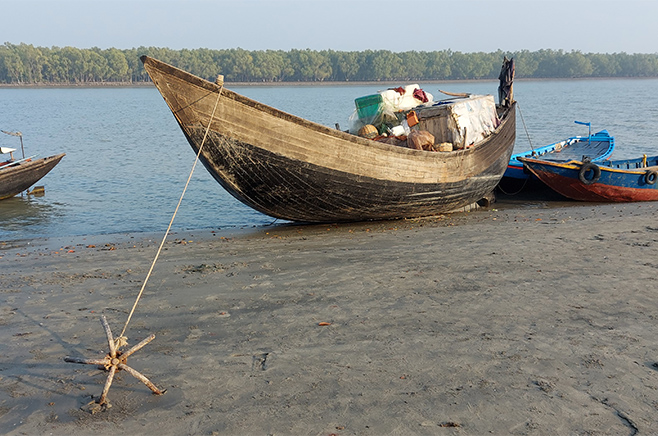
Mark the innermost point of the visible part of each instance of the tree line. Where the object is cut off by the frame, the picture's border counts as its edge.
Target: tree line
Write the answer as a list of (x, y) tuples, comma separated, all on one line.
[(25, 64)]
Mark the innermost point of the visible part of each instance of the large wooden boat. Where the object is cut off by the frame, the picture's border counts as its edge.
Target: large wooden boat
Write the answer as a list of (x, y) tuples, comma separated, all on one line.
[(17, 176), (608, 181), (294, 169)]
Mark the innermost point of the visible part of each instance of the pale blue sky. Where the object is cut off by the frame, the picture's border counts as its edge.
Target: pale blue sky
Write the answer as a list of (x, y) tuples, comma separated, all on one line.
[(598, 26)]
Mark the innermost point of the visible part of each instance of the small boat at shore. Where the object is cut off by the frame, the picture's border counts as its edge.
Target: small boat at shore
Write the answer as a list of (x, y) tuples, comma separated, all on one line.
[(290, 168), (608, 181), (18, 175), (597, 147)]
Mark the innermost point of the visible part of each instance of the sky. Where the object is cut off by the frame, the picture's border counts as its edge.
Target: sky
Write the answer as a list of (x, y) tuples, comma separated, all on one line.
[(589, 26)]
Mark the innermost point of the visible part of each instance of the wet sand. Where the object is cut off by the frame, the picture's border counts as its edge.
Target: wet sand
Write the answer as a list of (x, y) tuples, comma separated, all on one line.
[(518, 319)]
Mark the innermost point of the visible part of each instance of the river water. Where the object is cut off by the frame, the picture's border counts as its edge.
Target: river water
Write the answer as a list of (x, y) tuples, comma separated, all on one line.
[(127, 160)]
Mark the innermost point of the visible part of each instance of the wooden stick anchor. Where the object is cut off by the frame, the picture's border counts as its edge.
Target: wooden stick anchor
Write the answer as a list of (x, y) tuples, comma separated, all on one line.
[(114, 361)]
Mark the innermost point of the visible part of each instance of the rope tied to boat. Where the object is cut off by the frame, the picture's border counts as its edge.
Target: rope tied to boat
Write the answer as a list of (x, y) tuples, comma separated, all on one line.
[(123, 340), (524, 126), (533, 152), (116, 360)]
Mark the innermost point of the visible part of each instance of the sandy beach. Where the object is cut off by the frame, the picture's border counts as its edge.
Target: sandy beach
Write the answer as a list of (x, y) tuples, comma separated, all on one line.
[(521, 319)]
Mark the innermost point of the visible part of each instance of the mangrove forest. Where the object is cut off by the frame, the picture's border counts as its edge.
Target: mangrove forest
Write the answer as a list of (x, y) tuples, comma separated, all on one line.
[(25, 64)]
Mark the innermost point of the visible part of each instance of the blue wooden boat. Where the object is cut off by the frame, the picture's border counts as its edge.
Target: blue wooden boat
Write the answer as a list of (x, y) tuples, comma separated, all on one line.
[(607, 181), (597, 147)]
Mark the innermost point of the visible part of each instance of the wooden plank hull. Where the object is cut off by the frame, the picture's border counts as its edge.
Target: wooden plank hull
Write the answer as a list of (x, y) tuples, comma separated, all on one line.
[(617, 183), (290, 168), (18, 178)]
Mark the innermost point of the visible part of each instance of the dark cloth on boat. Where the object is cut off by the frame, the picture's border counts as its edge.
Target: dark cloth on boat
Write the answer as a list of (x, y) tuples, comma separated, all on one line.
[(419, 94), (506, 77)]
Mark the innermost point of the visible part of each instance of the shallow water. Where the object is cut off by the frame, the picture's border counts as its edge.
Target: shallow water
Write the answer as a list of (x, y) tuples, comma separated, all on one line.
[(127, 160)]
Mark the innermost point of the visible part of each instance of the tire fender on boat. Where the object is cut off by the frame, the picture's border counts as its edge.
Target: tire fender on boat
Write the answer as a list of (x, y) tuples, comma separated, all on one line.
[(587, 166), (650, 177)]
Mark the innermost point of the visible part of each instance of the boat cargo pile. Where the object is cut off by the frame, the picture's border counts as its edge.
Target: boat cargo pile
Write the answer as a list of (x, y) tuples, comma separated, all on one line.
[(409, 117)]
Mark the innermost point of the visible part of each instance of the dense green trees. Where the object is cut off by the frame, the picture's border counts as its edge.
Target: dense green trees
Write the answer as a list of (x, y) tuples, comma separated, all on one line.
[(24, 64)]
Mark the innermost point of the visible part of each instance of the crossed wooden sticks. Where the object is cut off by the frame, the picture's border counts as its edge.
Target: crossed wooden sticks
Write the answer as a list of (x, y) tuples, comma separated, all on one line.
[(115, 361)]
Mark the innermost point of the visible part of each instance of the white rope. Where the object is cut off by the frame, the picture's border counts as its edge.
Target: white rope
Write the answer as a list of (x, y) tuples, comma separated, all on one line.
[(524, 127), (122, 340)]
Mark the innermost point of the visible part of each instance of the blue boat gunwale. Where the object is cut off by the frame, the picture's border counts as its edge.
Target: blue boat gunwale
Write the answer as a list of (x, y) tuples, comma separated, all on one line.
[(602, 136), (554, 153), (634, 166)]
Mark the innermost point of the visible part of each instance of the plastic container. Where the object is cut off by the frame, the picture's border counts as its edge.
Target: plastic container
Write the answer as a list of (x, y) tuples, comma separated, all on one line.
[(369, 106), (398, 131), (412, 119)]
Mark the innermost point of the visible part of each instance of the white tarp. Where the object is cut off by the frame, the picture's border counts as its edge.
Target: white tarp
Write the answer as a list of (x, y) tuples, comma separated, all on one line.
[(462, 121)]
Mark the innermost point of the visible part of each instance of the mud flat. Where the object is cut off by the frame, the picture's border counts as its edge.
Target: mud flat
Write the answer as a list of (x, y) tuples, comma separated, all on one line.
[(511, 320)]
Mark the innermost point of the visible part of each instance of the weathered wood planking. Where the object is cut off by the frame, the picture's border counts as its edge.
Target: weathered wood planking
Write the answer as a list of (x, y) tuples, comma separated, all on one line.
[(18, 178), (291, 168)]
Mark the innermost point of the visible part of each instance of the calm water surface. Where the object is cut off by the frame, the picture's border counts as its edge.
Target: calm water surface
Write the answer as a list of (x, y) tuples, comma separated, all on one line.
[(127, 160)]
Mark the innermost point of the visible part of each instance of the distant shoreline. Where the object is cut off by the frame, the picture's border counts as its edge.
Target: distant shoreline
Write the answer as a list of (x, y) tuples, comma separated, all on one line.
[(245, 84), (233, 84)]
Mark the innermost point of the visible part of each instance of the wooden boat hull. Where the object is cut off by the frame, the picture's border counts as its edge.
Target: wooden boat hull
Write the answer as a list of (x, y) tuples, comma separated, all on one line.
[(291, 168), (598, 147), (619, 181), (18, 178)]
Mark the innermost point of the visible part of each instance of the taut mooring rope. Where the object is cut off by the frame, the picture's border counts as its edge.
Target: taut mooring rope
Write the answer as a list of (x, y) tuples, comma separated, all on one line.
[(531, 147), (122, 340), (524, 127)]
